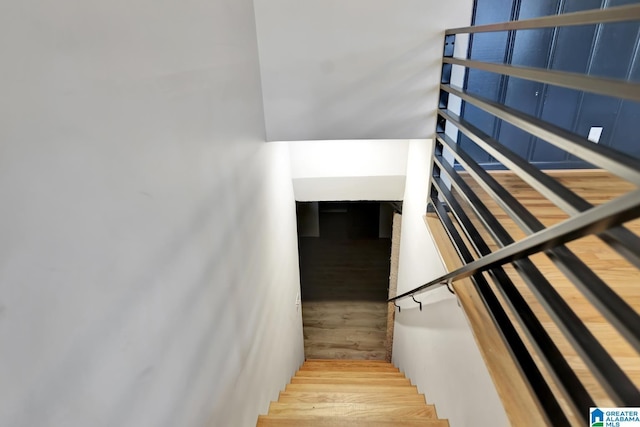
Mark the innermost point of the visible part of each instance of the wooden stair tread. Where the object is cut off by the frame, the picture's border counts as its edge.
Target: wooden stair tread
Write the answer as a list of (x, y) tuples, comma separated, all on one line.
[(359, 363), (348, 374), (352, 388), (327, 393), (355, 380), (299, 421), (353, 410), (314, 396), (335, 361), (352, 368)]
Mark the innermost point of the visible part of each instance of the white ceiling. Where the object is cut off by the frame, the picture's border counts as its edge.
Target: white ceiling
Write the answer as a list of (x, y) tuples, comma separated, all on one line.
[(352, 69)]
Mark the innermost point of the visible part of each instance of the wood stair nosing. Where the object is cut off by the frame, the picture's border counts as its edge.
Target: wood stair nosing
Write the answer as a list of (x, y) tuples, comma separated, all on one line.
[(349, 369), (352, 388), (395, 382), (370, 364), (347, 374), (353, 410), (286, 421), (373, 397), (347, 362), (355, 361)]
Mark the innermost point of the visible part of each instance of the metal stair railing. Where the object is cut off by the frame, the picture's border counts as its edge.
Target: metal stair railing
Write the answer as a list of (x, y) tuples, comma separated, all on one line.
[(605, 221)]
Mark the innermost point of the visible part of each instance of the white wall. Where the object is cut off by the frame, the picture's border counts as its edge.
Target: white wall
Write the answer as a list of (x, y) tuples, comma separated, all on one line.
[(357, 69), (348, 170), (148, 256), (435, 347)]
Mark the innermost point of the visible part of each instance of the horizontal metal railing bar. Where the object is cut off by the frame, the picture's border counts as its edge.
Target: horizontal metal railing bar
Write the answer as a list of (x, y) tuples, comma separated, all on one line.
[(604, 220), (547, 402), (516, 211), (620, 239), (597, 219), (587, 346), (608, 302), (614, 308), (595, 16), (556, 364), (469, 230), (602, 86), (623, 241), (499, 234), (617, 163), (548, 187), (456, 239)]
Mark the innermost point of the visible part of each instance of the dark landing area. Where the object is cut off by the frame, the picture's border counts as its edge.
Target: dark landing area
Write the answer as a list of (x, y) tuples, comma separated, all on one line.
[(344, 279), (349, 260), (344, 270)]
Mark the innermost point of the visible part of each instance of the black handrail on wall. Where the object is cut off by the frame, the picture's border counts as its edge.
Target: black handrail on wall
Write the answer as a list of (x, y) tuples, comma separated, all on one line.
[(604, 220)]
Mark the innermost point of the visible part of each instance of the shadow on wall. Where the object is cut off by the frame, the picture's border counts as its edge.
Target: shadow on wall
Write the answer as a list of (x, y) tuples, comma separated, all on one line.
[(434, 315)]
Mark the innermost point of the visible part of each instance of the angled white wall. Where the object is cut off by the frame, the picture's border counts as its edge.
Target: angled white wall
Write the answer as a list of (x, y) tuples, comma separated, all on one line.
[(348, 170), (435, 347), (356, 69), (148, 258)]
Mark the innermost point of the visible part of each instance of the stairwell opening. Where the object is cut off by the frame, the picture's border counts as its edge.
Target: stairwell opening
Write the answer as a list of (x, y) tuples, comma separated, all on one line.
[(345, 253)]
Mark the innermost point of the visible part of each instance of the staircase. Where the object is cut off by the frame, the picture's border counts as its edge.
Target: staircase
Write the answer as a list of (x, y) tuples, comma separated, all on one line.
[(351, 393)]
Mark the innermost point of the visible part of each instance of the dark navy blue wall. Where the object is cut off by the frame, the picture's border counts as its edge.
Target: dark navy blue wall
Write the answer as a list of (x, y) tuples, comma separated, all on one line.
[(608, 50)]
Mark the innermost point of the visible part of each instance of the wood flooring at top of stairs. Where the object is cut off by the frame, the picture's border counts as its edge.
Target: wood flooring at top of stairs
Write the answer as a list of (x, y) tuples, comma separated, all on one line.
[(597, 187), (350, 393)]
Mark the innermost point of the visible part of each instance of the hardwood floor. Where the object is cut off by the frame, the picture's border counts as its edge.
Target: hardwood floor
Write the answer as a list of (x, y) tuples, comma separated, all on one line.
[(596, 187), (344, 290)]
